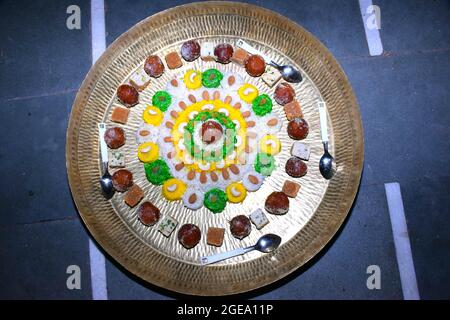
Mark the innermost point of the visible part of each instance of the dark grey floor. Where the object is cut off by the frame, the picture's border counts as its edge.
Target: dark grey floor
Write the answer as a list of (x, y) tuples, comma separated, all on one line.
[(403, 97)]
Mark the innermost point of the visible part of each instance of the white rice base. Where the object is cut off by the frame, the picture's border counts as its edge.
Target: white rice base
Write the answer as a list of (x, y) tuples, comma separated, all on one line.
[(198, 203), (250, 186), (152, 137)]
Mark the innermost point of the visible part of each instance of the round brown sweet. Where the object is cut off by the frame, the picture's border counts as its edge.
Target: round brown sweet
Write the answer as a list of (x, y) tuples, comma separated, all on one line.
[(148, 213), (298, 129), (295, 167), (211, 131), (189, 235), (122, 180), (223, 52), (277, 203), (284, 93), (190, 50), (255, 65), (128, 95), (240, 227), (114, 137), (153, 66)]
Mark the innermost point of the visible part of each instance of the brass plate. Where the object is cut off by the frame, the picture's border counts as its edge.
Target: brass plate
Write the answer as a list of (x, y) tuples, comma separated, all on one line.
[(315, 215)]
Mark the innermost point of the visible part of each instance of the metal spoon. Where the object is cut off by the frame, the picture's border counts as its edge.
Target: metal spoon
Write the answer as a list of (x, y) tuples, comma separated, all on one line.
[(106, 179), (289, 73), (106, 183), (326, 163), (267, 243)]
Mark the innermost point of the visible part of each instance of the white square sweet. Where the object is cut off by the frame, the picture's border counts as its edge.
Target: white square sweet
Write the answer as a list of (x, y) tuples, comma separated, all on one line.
[(259, 219), (167, 225), (116, 159), (301, 150), (207, 51), (140, 79), (271, 76)]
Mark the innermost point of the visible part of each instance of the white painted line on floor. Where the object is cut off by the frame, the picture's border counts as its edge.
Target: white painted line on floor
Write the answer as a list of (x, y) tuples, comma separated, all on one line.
[(372, 32), (96, 258), (98, 35), (401, 241), (98, 272)]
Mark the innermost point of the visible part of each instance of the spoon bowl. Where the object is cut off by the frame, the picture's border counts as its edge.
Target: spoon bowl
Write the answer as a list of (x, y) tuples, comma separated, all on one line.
[(326, 165), (267, 243), (288, 73), (106, 183)]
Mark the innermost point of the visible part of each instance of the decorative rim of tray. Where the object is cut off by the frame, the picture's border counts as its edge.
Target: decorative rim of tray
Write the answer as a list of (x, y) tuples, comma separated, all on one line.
[(289, 40)]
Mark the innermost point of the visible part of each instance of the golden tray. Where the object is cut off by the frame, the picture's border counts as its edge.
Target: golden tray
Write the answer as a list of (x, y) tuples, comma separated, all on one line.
[(316, 213)]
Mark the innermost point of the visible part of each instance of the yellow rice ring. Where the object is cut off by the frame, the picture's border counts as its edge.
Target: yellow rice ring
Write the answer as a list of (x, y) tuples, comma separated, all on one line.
[(270, 144), (236, 192), (193, 79), (173, 189), (152, 115), (148, 152), (248, 93)]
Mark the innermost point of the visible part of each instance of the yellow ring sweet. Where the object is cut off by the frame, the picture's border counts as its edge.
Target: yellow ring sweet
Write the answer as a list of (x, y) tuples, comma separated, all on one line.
[(248, 93), (270, 144), (218, 105), (173, 189), (152, 115), (193, 79), (236, 192), (148, 152)]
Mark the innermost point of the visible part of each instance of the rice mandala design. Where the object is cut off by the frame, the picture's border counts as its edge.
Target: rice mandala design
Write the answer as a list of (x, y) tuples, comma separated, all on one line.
[(208, 139)]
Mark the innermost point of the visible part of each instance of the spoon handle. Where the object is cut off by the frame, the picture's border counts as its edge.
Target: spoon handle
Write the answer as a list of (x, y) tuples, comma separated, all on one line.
[(225, 255), (323, 122), (101, 139), (247, 47)]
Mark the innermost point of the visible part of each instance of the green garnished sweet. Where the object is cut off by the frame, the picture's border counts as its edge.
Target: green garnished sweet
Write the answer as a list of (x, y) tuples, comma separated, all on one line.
[(264, 164), (222, 150), (211, 78), (157, 172), (215, 200), (262, 105), (161, 100)]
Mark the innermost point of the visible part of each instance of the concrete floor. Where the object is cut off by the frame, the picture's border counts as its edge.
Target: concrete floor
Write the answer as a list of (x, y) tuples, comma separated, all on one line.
[(403, 96)]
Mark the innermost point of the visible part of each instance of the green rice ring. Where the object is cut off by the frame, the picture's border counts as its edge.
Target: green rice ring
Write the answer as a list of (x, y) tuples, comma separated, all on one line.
[(215, 200), (262, 105), (211, 78), (264, 164), (161, 100), (157, 172)]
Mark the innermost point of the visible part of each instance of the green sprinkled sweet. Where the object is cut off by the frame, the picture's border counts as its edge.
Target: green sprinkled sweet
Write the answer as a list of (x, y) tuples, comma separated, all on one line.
[(223, 149), (264, 164), (262, 105), (161, 100), (211, 78), (157, 172), (215, 200)]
